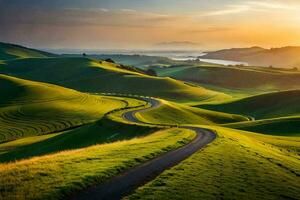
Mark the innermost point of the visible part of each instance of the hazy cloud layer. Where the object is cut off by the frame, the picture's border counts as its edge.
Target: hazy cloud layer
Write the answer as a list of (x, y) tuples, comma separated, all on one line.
[(133, 23)]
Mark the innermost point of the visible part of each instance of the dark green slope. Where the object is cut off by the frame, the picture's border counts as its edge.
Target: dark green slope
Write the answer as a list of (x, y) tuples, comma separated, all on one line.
[(248, 80), (30, 108), (269, 105), (12, 51), (275, 113), (285, 126), (89, 75)]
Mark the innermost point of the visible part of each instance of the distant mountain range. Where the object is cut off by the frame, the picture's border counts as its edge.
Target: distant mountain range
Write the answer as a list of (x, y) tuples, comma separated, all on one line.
[(177, 45), (285, 57)]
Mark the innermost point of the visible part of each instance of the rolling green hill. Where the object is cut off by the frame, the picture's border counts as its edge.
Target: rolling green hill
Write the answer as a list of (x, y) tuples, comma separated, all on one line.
[(174, 113), (99, 132), (285, 126), (55, 140), (238, 165), (286, 57), (30, 108), (140, 61), (269, 105), (235, 80), (12, 51), (93, 76), (276, 113), (57, 175)]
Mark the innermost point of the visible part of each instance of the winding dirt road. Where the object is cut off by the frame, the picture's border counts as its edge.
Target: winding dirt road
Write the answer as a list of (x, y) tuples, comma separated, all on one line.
[(125, 183)]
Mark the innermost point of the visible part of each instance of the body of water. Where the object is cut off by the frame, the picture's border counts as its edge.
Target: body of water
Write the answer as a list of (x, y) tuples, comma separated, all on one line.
[(189, 55), (174, 55), (195, 56)]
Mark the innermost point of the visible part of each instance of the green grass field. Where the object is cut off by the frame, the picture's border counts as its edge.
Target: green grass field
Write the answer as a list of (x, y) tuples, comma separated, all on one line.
[(89, 75), (275, 113), (286, 126), (11, 51), (62, 127), (100, 132), (174, 113), (236, 81), (31, 108), (56, 175), (238, 165), (269, 105)]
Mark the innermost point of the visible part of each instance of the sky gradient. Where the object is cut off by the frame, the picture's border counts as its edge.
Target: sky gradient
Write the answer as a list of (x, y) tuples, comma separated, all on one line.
[(133, 24)]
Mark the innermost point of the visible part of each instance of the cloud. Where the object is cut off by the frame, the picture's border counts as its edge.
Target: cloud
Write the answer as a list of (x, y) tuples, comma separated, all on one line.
[(83, 17), (128, 10), (247, 6), (104, 9), (208, 30), (244, 21), (290, 2), (129, 17), (177, 43), (233, 9), (270, 5)]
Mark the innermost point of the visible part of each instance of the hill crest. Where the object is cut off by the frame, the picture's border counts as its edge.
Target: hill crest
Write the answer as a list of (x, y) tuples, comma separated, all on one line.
[(10, 51), (285, 57)]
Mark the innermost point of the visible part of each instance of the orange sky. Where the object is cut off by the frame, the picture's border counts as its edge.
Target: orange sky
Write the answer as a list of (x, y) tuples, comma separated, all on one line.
[(228, 23)]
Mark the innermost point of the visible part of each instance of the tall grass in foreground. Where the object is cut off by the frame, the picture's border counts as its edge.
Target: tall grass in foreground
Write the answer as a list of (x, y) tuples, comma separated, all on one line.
[(53, 176), (238, 165)]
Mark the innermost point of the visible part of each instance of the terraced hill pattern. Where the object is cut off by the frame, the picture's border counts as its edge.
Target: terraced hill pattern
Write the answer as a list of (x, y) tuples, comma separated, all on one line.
[(72, 127)]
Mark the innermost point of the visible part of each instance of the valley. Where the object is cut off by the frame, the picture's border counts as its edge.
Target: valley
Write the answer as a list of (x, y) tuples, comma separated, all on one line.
[(75, 127)]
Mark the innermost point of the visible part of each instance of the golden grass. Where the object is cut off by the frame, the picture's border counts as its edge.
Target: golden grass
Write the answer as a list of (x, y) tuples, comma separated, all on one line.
[(237, 165), (30, 108), (52, 176), (174, 113)]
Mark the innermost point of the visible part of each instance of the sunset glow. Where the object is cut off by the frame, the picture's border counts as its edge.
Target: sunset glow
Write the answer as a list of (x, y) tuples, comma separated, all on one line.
[(143, 24)]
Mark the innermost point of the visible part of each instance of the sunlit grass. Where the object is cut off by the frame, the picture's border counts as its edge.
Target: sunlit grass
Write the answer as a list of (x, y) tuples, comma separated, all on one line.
[(88, 75), (238, 165), (52, 176), (285, 126), (235, 81), (31, 108), (174, 113), (10, 51), (268, 105), (57, 141)]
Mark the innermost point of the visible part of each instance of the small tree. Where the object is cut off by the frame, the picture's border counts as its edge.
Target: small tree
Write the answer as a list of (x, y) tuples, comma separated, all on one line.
[(84, 54), (110, 60), (151, 72)]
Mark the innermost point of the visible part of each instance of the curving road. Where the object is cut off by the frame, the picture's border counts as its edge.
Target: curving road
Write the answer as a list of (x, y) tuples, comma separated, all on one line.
[(125, 183)]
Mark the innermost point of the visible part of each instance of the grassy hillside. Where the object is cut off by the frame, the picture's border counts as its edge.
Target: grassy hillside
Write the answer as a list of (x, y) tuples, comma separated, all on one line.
[(92, 76), (285, 126), (286, 57), (238, 165), (140, 61), (270, 105), (55, 141), (12, 51), (235, 80), (275, 113), (30, 108), (102, 131), (173, 113), (234, 53), (63, 173)]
